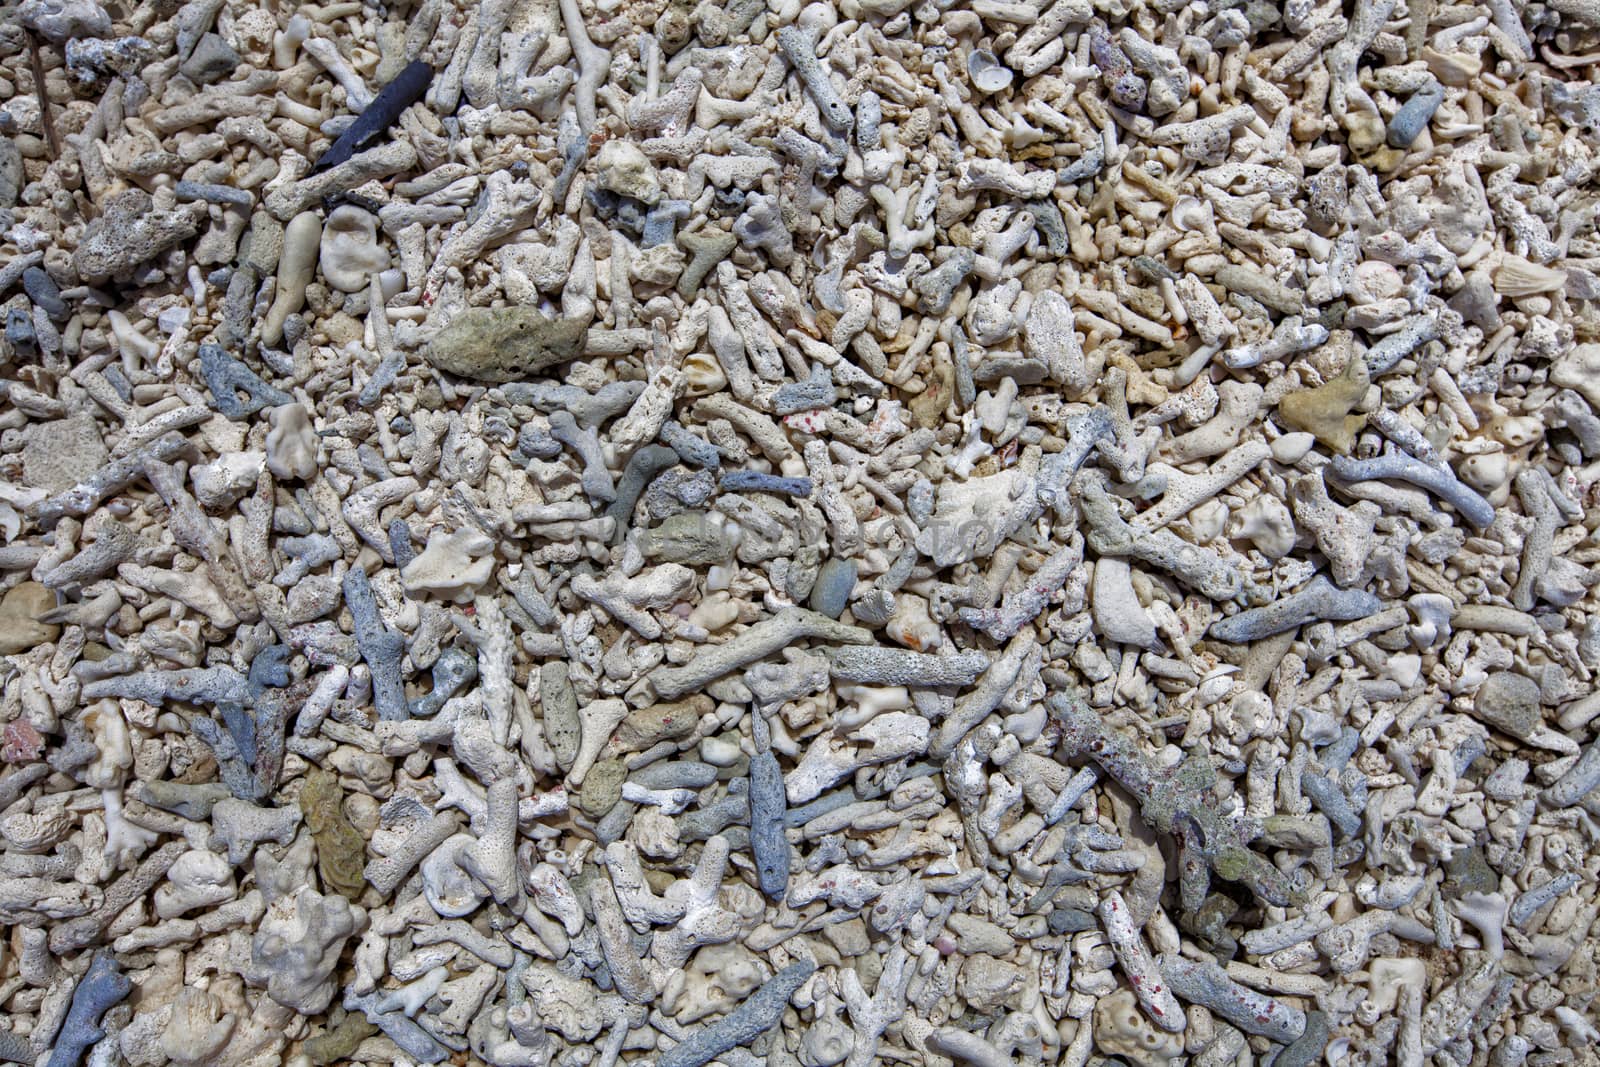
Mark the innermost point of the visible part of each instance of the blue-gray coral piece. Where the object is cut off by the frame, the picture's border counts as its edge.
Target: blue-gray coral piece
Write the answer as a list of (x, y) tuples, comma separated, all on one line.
[(690, 447), (19, 330), (768, 845), (761, 482), (585, 444), (675, 774), (1328, 798), (644, 465), (1088, 165), (535, 442), (1320, 600), (249, 752), (697, 824), (226, 377), (403, 1031), (402, 544), (758, 1014), (381, 647), (384, 375), (102, 988), (817, 391), (1307, 1048), (192, 685), (45, 293), (270, 668), (454, 669), (1440, 481), (1414, 115), (213, 193), (242, 728), (831, 591), (661, 223), (14, 1048)]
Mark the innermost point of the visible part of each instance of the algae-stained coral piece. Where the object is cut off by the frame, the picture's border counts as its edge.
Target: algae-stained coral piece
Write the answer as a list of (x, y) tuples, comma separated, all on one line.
[(504, 344), (338, 1043), (1175, 800), (1324, 411), (341, 852)]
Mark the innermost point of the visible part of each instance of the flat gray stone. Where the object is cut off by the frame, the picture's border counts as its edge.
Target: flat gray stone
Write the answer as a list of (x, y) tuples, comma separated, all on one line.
[(1510, 703), (212, 60)]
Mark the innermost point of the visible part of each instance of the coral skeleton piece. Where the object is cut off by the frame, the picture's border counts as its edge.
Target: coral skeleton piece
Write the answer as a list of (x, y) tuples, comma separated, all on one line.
[(1135, 959), (1177, 801), (757, 642), (381, 647), (100, 989), (296, 949), (341, 853), (504, 344), (1320, 600)]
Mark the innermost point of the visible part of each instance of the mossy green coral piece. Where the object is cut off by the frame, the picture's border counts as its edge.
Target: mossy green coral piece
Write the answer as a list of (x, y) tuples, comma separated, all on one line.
[(339, 1043), (341, 851), (504, 344), (1324, 411)]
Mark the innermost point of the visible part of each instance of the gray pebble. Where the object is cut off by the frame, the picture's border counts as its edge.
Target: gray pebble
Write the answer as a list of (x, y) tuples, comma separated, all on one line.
[(831, 591), (1414, 115)]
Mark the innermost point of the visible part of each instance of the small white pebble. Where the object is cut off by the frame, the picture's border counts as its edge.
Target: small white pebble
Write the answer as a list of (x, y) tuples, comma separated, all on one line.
[(1291, 448)]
